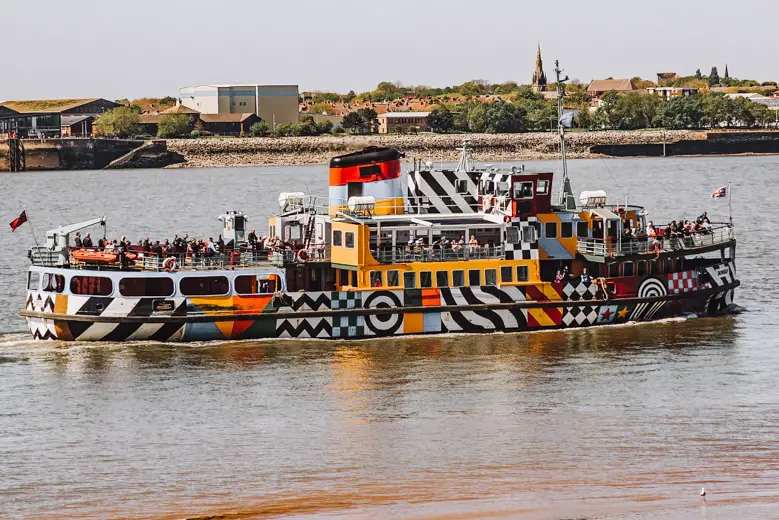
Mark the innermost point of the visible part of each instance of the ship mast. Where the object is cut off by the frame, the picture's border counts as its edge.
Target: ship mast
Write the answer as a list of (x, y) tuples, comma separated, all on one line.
[(565, 187)]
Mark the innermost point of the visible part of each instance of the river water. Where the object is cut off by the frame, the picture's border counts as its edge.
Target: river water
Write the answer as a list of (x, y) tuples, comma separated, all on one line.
[(625, 421)]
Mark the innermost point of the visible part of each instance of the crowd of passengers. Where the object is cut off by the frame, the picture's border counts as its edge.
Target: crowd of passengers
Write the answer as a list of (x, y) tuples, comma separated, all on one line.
[(675, 229), (184, 245)]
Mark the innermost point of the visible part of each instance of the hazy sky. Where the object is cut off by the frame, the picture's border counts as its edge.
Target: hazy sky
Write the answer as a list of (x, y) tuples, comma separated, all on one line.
[(116, 49)]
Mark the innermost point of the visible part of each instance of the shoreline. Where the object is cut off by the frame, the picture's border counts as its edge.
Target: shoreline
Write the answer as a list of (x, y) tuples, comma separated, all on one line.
[(290, 151)]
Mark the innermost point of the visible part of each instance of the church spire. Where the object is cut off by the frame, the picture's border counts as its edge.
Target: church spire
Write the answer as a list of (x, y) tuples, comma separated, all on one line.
[(539, 77)]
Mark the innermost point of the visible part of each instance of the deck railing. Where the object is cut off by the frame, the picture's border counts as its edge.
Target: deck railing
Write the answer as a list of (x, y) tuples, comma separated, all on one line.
[(599, 247), (426, 254)]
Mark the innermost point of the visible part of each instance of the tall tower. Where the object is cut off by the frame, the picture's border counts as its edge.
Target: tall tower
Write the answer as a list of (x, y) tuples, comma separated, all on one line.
[(727, 76), (539, 78)]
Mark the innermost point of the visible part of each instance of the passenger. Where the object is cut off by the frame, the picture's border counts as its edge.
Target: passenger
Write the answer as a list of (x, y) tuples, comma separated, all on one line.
[(87, 242), (146, 245), (252, 239), (77, 242), (220, 243), (704, 219), (101, 243), (650, 230), (585, 276), (157, 249), (211, 247), (559, 276)]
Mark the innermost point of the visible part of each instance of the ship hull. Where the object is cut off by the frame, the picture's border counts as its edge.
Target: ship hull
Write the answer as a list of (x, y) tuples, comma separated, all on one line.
[(345, 315)]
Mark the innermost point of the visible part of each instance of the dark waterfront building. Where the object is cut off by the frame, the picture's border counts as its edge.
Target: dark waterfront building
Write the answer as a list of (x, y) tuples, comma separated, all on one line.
[(539, 77), (52, 118)]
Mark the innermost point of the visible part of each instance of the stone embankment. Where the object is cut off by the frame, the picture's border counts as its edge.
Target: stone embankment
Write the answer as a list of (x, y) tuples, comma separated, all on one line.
[(215, 152)]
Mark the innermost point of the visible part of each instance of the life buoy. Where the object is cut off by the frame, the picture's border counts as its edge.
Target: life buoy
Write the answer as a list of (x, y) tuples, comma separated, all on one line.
[(169, 264), (507, 219), (302, 255)]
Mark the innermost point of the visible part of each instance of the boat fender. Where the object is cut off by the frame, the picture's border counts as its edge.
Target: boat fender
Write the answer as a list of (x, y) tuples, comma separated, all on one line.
[(302, 255), (169, 264)]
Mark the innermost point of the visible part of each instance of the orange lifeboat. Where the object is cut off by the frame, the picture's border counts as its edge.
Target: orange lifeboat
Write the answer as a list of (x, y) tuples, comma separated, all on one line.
[(100, 257)]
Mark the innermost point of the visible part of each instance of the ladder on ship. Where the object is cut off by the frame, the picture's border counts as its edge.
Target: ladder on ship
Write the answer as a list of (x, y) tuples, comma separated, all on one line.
[(309, 231)]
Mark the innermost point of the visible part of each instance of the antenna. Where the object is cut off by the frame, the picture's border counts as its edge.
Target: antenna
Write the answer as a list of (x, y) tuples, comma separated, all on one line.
[(565, 188)]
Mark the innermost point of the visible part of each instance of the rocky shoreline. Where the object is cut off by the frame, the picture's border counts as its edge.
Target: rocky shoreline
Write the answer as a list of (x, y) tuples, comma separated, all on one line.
[(231, 152)]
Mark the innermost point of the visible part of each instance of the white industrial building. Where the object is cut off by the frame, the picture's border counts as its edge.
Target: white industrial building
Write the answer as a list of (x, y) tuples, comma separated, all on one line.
[(275, 104)]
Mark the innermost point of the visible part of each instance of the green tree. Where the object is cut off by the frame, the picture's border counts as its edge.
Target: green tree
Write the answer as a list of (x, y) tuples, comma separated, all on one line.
[(352, 122), (260, 129), (715, 109), (321, 108), (473, 88), (541, 115), (167, 101), (505, 118), (584, 119), (477, 118), (324, 97), (608, 115), (714, 77), (527, 92), (119, 122), (680, 112), (174, 125), (508, 87), (369, 120), (698, 74), (324, 127), (440, 120)]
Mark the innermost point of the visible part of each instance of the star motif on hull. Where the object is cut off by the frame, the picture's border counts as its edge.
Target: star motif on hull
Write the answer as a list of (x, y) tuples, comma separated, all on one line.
[(623, 313)]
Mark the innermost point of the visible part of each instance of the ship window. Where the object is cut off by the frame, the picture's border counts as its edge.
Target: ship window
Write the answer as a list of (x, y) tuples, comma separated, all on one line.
[(654, 267), (542, 188), (369, 171), (53, 282), (529, 234), (375, 278), (33, 280), (627, 269), (392, 279), (353, 276), (566, 229), (91, 285), (425, 279), (349, 239), (337, 238), (410, 280), (461, 186), (668, 265), (458, 278), (151, 286), (613, 270), (523, 190), (522, 275), (442, 279), (474, 277), (550, 230), (255, 285), (506, 274), (490, 277), (204, 285), (512, 235), (641, 267), (582, 230)]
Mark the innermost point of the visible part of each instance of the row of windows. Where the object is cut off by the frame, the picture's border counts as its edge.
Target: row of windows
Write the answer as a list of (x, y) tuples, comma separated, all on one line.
[(343, 239), (566, 229), (643, 267), (153, 286), (442, 278)]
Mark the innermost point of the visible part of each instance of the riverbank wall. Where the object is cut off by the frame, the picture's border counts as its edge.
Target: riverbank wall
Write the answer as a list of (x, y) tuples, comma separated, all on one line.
[(90, 154), (215, 152), (711, 143)]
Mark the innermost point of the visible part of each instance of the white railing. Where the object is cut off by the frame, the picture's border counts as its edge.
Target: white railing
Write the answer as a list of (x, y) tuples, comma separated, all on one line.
[(410, 254), (598, 247)]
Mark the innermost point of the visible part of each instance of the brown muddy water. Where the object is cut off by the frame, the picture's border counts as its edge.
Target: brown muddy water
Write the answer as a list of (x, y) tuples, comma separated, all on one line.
[(612, 422)]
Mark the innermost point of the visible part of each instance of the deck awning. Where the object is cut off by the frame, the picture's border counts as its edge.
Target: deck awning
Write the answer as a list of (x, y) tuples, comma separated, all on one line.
[(605, 214)]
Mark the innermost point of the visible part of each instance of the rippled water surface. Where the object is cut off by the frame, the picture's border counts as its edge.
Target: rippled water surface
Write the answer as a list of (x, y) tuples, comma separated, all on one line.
[(625, 421)]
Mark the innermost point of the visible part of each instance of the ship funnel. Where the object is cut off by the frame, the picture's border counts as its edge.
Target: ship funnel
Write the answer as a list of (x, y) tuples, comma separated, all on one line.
[(373, 172)]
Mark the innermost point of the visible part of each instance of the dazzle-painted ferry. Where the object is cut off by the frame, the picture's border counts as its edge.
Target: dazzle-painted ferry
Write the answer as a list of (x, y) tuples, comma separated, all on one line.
[(386, 254)]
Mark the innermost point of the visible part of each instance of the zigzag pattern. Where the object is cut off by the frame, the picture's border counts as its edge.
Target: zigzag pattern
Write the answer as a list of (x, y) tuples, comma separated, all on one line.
[(311, 331), (308, 303)]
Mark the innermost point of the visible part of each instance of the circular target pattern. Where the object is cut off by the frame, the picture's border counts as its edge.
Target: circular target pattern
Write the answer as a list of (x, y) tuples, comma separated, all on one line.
[(652, 287), (383, 324)]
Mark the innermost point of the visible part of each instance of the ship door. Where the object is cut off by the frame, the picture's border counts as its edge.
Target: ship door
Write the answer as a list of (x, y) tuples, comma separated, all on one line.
[(354, 189)]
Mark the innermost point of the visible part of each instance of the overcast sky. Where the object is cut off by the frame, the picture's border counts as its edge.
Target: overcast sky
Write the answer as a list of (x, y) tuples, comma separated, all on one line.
[(116, 49)]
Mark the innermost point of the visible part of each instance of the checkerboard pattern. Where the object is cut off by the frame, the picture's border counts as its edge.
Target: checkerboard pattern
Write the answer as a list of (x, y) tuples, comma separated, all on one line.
[(345, 300), (523, 250), (685, 281), (348, 326), (580, 315), (580, 291)]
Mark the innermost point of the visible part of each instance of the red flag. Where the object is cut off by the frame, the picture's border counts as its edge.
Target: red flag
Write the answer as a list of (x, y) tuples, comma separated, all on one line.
[(18, 221)]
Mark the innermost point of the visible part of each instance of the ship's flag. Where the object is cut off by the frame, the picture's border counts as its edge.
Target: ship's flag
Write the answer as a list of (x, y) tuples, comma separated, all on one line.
[(720, 193), (18, 221)]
